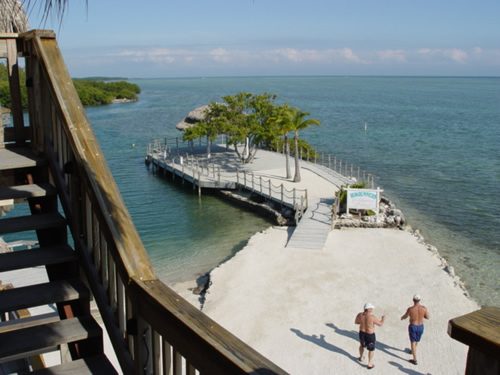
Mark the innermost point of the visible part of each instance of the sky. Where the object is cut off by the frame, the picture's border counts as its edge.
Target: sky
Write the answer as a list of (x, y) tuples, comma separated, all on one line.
[(213, 38)]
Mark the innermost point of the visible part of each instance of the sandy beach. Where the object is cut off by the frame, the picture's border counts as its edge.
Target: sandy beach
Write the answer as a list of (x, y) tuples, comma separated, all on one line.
[(297, 306)]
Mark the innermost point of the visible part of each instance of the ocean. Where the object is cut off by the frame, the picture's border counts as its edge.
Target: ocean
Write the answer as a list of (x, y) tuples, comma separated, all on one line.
[(432, 143)]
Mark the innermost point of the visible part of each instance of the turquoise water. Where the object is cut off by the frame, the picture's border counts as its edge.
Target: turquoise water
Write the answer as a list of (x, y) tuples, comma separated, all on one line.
[(432, 143)]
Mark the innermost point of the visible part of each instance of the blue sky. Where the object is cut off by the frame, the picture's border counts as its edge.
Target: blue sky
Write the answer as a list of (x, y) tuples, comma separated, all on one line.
[(204, 38)]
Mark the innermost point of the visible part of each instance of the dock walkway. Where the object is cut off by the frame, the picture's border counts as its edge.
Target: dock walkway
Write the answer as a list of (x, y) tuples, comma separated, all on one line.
[(265, 175)]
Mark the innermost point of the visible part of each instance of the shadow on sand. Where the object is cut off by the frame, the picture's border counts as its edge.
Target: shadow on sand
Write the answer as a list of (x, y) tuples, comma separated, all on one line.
[(320, 341), (405, 370), (379, 346)]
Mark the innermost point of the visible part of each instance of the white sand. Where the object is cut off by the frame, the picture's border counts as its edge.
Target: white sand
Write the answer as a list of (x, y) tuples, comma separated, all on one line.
[(297, 306)]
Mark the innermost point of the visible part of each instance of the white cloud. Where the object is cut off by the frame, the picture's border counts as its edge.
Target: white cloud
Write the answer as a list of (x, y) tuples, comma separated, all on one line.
[(349, 55), (398, 56), (157, 55), (295, 56), (196, 60), (454, 54), (327, 56), (457, 55)]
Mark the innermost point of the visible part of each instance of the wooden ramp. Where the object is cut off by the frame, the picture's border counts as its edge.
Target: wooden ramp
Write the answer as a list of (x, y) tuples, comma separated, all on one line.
[(312, 230)]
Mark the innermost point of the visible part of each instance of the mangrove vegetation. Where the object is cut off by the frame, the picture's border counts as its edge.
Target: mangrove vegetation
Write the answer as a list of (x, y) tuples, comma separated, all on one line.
[(90, 92)]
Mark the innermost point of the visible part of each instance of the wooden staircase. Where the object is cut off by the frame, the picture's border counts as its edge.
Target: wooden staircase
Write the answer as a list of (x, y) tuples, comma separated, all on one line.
[(25, 178)]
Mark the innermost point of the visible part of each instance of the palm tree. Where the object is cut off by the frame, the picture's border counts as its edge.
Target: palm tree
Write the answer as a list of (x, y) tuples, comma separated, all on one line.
[(283, 126), (298, 123)]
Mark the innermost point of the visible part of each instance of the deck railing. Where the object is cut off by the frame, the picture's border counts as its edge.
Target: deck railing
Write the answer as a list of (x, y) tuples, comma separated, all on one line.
[(151, 328), (177, 146), (197, 168)]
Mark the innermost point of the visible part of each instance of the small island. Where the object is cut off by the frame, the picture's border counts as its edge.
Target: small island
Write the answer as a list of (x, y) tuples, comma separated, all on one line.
[(100, 92), (92, 91)]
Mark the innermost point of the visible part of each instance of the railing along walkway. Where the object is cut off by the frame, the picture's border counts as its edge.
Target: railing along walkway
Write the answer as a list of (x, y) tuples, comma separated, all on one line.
[(223, 171)]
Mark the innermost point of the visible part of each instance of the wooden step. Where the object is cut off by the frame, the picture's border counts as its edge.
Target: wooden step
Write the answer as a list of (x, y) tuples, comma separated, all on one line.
[(39, 256), (21, 192), (42, 294), (29, 321), (33, 222), (98, 365), (18, 157), (42, 339)]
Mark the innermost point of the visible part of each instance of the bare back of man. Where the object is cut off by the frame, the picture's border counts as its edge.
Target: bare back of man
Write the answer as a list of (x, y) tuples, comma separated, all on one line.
[(367, 322), (417, 313)]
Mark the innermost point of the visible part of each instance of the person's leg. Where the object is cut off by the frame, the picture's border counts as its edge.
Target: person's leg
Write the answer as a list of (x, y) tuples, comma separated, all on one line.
[(370, 346), (370, 358), (415, 335), (414, 350), (361, 351)]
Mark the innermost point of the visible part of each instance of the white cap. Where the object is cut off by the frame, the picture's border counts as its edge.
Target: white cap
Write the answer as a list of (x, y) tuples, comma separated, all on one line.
[(416, 297), (368, 305)]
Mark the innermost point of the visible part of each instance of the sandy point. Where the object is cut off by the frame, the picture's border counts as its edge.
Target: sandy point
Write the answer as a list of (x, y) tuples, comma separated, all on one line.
[(297, 306)]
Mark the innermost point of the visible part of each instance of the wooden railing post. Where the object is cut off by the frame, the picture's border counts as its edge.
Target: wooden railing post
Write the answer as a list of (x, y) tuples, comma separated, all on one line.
[(480, 330), (15, 90)]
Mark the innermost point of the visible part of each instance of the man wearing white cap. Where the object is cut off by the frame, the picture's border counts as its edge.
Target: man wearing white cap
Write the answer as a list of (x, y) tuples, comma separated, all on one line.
[(367, 323), (417, 313)]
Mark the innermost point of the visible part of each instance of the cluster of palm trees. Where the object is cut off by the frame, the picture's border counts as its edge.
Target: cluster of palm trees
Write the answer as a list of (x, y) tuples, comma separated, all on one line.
[(253, 120)]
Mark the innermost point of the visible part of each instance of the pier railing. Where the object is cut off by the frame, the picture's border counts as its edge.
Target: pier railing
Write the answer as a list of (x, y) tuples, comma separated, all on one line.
[(152, 329), (203, 173), (352, 174)]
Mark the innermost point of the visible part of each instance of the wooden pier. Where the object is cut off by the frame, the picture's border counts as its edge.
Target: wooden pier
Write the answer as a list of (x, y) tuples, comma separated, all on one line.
[(222, 170), (264, 176)]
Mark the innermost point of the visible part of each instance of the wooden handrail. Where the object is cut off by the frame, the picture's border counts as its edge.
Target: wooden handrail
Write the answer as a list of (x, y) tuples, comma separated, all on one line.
[(480, 330), (149, 325)]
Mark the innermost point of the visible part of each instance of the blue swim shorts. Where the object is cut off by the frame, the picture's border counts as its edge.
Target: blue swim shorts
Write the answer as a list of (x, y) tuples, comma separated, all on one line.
[(367, 340), (415, 332)]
